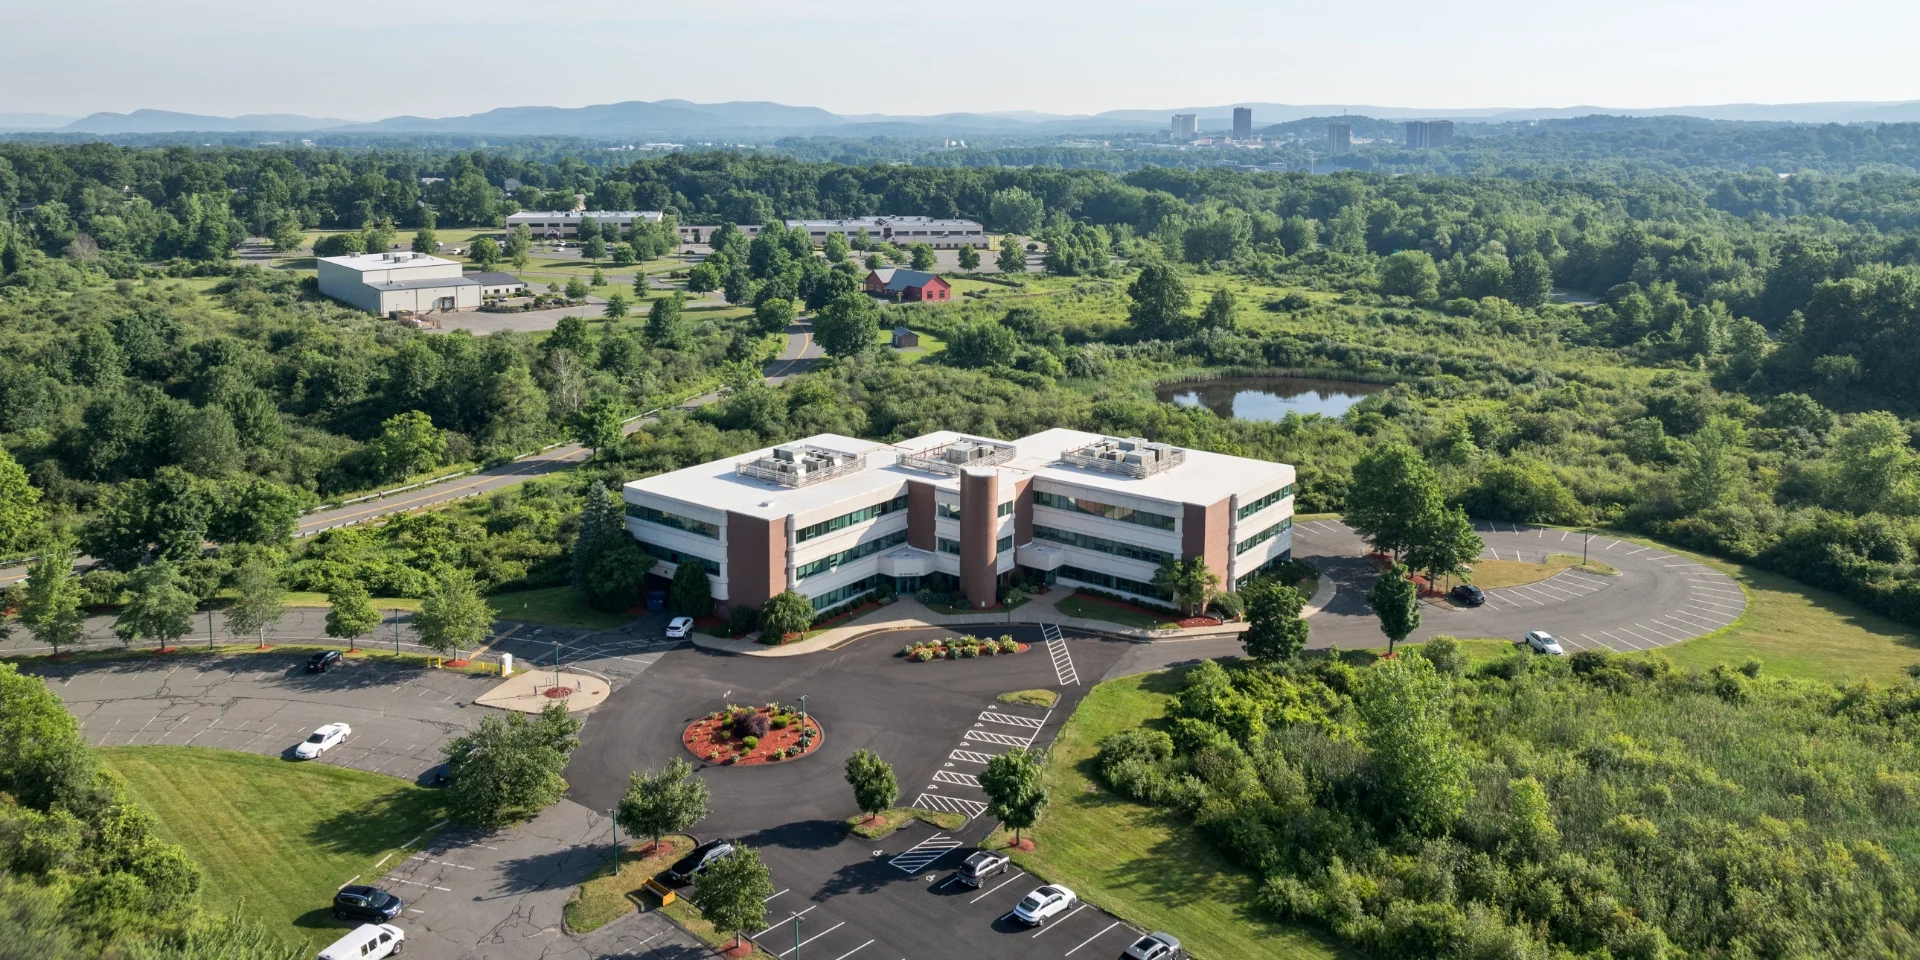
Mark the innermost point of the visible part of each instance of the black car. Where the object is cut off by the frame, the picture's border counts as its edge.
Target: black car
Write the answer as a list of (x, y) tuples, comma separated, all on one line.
[(441, 776), (323, 661), (702, 857), (369, 904), (1468, 594)]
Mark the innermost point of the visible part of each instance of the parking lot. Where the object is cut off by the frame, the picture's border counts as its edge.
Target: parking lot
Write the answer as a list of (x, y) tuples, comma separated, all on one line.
[(937, 723)]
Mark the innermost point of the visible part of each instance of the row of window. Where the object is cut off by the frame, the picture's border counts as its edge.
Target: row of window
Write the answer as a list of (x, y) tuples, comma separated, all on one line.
[(951, 511), (1111, 582), (674, 520), (844, 521), (1101, 544), (1158, 521), (835, 561), (1249, 509), (1263, 536), (675, 557), (1261, 570), (953, 546), (847, 592)]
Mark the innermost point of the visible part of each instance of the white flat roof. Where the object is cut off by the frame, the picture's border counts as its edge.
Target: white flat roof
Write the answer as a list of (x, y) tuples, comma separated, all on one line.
[(577, 214), (388, 261), (1204, 478)]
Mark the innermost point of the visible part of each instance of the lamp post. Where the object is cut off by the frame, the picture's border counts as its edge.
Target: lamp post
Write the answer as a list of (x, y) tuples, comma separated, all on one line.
[(556, 664), (396, 632), (796, 923), (803, 716)]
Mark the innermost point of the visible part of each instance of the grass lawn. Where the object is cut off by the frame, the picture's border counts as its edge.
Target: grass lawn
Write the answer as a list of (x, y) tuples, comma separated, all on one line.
[(1801, 631), (929, 345), (275, 837), (1093, 609), (1032, 698), (555, 606), (889, 821), (1145, 865), (607, 896), (309, 598), (1492, 574)]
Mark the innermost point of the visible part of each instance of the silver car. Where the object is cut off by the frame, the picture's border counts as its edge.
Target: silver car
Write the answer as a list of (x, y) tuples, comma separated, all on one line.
[(1155, 946), (1044, 904), (1543, 642)]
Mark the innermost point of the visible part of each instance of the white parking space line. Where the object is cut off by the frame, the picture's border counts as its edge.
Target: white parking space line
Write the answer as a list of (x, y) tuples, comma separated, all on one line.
[(1629, 643), (1016, 875), (765, 899), (782, 923), (1005, 740), (969, 756), (1650, 641), (1091, 939), (1610, 546), (1716, 591), (1691, 618), (1508, 595), (811, 939), (948, 776), (1585, 579), (1711, 604), (1058, 922), (1635, 553), (1550, 588), (947, 804), (1015, 720), (855, 950), (1062, 659)]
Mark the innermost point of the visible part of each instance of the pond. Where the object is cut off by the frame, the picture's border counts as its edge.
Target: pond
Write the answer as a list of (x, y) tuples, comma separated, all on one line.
[(1268, 398)]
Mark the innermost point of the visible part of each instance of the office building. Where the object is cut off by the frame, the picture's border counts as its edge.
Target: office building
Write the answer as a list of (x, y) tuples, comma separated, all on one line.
[(1186, 126), (939, 234), (1243, 123), (386, 283), (1428, 133), (559, 224), (835, 518), (1340, 136)]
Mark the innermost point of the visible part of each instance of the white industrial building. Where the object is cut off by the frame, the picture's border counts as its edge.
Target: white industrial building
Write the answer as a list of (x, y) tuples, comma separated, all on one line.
[(940, 234), (555, 224), (386, 283)]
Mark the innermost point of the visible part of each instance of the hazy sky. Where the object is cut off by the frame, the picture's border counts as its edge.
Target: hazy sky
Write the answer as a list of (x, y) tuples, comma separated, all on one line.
[(366, 60)]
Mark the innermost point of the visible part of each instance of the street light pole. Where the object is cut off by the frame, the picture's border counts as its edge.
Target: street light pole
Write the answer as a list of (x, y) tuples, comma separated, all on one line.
[(796, 930), (803, 715)]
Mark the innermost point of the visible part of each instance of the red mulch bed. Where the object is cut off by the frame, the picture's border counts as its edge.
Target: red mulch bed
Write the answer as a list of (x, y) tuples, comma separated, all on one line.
[(166, 650), (706, 736), (940, 652), (1123, 605), (742, 949), (557, 693), (1025, 845), (645, 850), (1199, 622), (456, 663)]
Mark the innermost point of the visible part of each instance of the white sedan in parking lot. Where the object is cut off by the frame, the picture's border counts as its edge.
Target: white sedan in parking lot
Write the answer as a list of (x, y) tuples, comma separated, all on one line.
[(1044, 904), (1543, 642), (322, 740)]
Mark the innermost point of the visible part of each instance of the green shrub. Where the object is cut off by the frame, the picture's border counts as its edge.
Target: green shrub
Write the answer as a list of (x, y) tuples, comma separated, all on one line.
[(749, 741)]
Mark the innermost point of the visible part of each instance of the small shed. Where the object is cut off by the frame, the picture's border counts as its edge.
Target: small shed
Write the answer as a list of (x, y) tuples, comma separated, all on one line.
[(904, 339)]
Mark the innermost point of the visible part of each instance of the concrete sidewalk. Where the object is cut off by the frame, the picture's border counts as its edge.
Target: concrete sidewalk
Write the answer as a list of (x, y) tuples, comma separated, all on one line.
[(907, 613), (526, 691)]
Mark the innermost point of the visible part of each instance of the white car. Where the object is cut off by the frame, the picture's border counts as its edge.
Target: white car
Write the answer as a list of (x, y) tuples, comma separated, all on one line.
[(679, 628), (1543, 642), (368, 941), (1044, 904), (322, 740)]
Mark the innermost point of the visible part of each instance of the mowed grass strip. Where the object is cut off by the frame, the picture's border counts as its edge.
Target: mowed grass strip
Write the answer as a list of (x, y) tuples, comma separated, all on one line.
[(555, 606), (276, 838), (1144, 865)]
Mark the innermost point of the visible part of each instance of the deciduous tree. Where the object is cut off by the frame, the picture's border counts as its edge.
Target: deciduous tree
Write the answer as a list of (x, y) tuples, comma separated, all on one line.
[(51, 609), (260, 600), (1190, 581), (1396, 601), (1160, 299), (159, 606), (732, 892), (1393, 493), (691, 594), (786, 613), (1012, 257), (1275, 630), (1015, 793), (670, 801), (1421, 774), (453, 615), (508, 765), (969, 257), (350, 612), (849, 326), (665, 328), (875, 788)]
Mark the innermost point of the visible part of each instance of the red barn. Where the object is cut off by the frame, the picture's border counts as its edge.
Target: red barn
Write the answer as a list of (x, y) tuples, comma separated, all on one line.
[(908, 285)]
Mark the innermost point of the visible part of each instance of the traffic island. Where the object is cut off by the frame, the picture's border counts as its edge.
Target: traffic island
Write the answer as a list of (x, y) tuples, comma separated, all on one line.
[(752, 735), (530, 692)]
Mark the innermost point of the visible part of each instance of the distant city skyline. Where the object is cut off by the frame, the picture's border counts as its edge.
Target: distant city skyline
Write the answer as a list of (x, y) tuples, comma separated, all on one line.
[(359, 60)]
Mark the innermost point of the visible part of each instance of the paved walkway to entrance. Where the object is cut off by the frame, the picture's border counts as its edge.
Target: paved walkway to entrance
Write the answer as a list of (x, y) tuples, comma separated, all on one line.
[(527, 691), (907, 613)]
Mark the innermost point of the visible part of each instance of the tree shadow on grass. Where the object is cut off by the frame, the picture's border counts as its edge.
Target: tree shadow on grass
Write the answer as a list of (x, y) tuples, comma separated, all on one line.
[(380, 824)]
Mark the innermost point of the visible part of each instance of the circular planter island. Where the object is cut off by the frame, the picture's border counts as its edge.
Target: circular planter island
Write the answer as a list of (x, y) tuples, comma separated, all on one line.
[(752, 735)]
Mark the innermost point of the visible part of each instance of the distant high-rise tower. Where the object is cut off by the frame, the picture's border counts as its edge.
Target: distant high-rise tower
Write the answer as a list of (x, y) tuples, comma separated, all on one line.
[(1186, 126), (1340, 137), (1243, 123), (1429, 133)]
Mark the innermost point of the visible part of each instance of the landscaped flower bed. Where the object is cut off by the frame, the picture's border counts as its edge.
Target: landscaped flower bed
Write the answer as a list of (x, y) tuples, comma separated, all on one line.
[(962, 648), (749, 735)]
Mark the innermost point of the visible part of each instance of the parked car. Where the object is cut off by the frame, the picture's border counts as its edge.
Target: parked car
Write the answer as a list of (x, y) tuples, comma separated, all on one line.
[(441, 776), (1155, 946), (702, 857), (323, 661), (361, 902), (1468, 594), (368, 941), (1543, 642), (982, 865), (322, 740), (1044, 904), (679, 628)]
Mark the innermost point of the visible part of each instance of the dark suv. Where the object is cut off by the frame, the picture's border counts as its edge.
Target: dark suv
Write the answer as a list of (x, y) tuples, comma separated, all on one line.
[(980, 866), (323, 661), (369, 904), (1468, 594), (702, 857)]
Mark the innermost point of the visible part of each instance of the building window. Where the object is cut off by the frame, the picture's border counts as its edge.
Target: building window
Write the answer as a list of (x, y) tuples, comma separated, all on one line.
[(1158, 521), (1101, 544), (1276, 560), (1263, 536), (1004, 543), (946, 511), (834, 562), (1248, 510), (674, 520), (676, 558), (1111, 582), (844, 521), (847, 592), (1006, 508), (949, 546)]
